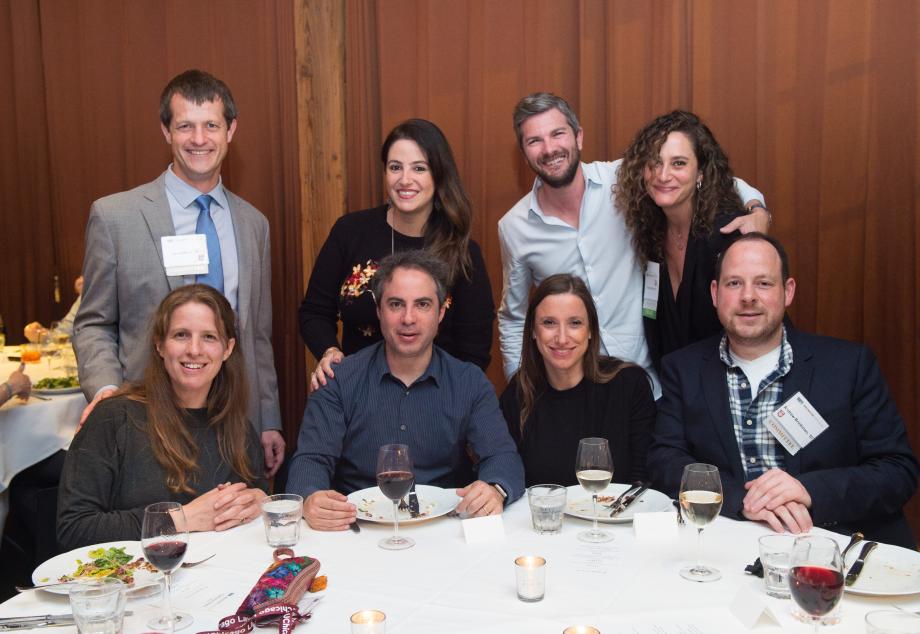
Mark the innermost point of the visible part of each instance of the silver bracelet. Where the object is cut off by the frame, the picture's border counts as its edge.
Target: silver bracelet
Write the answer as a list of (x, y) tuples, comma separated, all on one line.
[(761, 206), (9, 390)]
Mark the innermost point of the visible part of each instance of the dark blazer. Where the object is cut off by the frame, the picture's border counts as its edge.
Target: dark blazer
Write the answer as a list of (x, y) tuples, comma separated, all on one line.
[(859, 472)]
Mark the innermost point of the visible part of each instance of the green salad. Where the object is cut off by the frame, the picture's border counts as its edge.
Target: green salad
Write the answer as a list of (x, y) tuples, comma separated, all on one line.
[(58, 383)]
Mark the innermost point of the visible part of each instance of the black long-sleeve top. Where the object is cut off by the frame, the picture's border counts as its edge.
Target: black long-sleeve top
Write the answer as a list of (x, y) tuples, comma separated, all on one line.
[(110, 473), (621, 410), (339, 289)]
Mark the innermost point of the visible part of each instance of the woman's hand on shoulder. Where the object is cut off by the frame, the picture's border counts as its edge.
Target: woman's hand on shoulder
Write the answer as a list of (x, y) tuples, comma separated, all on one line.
[(323, 370)]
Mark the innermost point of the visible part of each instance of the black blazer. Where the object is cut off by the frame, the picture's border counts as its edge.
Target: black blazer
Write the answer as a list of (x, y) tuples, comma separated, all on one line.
[(859, 472)]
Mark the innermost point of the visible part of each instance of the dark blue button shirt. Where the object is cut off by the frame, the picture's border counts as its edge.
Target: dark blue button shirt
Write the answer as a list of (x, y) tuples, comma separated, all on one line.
[(449, 409)]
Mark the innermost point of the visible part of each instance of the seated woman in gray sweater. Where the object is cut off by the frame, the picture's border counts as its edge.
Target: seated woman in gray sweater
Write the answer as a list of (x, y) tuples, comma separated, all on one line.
[(181, 434)]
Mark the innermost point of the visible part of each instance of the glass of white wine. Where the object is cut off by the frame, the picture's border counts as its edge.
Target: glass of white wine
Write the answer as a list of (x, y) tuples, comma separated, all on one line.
[(700, 502), (594, 470)]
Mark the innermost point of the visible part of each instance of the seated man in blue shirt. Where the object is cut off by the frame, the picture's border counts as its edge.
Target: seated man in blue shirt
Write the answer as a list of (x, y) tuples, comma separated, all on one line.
[(404, 390), (719, 394)]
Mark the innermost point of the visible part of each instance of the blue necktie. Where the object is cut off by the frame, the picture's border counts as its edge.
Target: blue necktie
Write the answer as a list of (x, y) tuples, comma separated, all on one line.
[(215, 274)]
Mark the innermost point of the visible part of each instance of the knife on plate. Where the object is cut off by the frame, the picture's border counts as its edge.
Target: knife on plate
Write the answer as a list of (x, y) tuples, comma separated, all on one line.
[(856, 568), (624, 504), (413, 502)]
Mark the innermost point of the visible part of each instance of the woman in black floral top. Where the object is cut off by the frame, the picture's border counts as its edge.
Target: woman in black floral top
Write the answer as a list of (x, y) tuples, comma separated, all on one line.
[(427, 207)]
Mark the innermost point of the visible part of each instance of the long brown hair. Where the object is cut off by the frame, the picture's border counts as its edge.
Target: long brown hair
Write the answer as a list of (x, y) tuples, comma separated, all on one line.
[(532, 381), (447, 231), (172, 444), (716, 192)]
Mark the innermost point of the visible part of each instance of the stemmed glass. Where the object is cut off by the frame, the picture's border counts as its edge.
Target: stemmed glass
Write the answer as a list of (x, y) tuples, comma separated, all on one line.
[(395, 478), (47, 345), (594, 470), (816, 576), (164, 537), (700, 501)]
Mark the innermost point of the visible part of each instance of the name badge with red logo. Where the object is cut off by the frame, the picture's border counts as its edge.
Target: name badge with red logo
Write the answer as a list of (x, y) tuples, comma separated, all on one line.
[(796, 423)]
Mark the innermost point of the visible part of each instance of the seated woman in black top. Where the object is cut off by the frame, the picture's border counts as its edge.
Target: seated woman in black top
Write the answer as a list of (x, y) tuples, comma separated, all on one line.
[(181, 434), (677, 191), (427, 207), (565, 391)]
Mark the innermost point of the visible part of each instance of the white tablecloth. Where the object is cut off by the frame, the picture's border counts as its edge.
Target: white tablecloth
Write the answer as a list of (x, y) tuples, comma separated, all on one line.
[(33, 430), (443, 585)]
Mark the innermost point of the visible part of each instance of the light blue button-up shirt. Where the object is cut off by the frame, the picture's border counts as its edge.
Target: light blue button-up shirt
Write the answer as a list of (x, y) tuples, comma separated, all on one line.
[(184, 211)]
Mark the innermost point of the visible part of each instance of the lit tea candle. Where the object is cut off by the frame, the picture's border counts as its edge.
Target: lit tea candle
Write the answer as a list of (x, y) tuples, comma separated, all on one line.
[(368, 622), (581, 629), (530, 572)]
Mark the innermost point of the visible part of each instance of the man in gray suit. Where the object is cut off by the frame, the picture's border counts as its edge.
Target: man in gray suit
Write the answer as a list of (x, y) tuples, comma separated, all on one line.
[(143, 243)]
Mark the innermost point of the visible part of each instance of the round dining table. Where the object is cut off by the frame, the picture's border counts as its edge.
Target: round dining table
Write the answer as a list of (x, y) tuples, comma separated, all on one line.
[(33, 429), (444, 584)]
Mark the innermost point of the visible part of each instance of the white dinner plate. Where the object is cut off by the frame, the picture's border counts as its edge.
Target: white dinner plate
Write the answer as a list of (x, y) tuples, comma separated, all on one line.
[(374, 506), (888, 571), (66, 564), (55, 391), (579, 504)]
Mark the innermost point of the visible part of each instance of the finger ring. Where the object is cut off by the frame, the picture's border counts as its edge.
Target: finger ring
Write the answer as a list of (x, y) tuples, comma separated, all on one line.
[(242, 519)]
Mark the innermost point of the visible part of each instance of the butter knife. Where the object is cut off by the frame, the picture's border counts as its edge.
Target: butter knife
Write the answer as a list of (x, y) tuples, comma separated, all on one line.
[(413, 502), (29, 622), (629, 500), (857, 566)]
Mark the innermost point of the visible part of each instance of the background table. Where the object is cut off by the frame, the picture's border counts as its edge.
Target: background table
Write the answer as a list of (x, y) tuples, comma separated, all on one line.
[(31, 431), (444, 585)]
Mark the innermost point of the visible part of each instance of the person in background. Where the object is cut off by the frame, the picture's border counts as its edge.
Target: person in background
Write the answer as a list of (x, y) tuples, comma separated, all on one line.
[(427, 207), (137, 242), (723, 396), (568, 223), (677, 191), (565, 390), (405, 390), (18, 384), (180, 434), (33, 332)]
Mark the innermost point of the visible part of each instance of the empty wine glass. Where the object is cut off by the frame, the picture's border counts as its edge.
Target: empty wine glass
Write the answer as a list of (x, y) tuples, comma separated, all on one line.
[(48, 347), (816, 576), (594, 470), (700, 501), (395, 478), (164, 537)]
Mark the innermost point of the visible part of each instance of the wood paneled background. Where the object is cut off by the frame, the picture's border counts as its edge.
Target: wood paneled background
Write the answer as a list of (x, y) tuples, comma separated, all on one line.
[(816, 103)]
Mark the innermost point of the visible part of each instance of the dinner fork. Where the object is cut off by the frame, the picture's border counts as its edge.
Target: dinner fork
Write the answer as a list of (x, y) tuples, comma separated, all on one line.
[(192, 564)]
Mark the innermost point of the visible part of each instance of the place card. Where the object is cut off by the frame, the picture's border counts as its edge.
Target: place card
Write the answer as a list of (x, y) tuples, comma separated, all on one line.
[(656, 526), (748, 606), (483, 529)]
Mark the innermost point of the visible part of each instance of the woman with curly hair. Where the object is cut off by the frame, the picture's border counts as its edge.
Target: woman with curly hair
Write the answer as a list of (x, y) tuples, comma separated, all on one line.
[(565, 390), (427, 207), (679, 196)]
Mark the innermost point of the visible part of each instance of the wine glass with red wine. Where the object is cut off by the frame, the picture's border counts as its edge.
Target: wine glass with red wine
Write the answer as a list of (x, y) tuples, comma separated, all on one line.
[(164, 537), (816, 576), (700, 503), (395, 478)]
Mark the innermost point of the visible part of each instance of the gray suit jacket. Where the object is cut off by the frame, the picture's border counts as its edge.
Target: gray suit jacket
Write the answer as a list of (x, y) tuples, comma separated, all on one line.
[(124, 282)]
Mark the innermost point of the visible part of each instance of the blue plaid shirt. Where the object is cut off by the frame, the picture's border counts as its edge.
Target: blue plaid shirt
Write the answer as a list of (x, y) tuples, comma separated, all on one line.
[(759, 449)]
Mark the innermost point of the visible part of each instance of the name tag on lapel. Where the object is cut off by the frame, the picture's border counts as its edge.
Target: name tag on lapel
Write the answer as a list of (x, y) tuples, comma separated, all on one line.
[(796, 423), (185, 254), (650, 293)]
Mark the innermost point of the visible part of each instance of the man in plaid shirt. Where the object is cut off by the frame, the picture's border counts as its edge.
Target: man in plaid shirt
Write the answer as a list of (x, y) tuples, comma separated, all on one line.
[(718, 394)]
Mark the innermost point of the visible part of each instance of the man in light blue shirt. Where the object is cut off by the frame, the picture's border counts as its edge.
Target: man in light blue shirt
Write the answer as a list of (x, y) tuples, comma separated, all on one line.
[(568, 224)]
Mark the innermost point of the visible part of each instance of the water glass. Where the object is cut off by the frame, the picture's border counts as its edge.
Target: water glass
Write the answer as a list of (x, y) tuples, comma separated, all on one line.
[(775, 552), (547, 503), (98, 605), (281, 514), (892, 622)]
